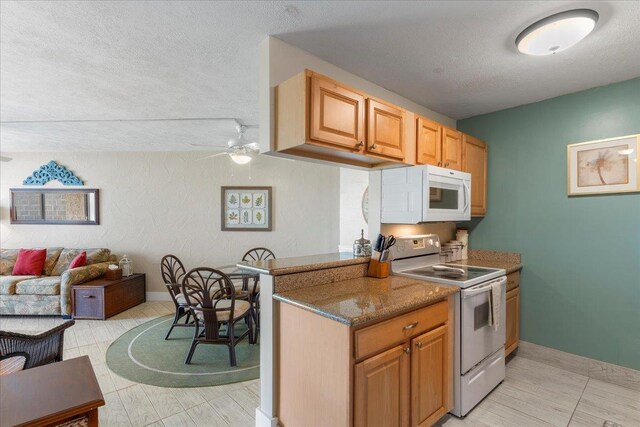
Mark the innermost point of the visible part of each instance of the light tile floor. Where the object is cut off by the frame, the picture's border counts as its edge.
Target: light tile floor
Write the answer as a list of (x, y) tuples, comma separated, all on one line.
[(533, 394)]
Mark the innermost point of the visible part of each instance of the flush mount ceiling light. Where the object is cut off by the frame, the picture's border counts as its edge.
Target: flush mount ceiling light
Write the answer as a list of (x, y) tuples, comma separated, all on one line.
[(557, 32)]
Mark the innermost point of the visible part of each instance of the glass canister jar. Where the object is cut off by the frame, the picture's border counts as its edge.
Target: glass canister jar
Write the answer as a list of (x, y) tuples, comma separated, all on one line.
[(126, 266), (362, 246)]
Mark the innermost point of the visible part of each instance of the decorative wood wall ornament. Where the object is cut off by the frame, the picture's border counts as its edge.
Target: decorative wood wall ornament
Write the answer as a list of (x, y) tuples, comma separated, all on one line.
[(50, 172)]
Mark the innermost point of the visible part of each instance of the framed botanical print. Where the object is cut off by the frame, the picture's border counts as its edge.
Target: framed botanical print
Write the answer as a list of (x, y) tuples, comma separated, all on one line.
[(246, 208), (604, 166)]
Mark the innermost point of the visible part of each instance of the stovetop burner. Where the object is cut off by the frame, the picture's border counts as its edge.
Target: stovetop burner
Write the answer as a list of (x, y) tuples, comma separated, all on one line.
[(457, 272), (460, 275)]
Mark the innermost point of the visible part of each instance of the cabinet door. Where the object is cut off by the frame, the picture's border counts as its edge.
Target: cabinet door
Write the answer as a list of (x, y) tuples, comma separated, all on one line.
[(451, 149), (401, 200), (429, 376), (429, 142), (381, 390), (337, 115), (513, 320), (474, 161), (385, 129)]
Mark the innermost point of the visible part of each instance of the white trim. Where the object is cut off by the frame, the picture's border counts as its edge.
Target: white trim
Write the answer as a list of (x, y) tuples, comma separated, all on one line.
[(263, 420), (158, 296)]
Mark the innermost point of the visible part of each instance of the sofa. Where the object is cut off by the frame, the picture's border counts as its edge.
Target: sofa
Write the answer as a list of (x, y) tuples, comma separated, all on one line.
[(49, 293)]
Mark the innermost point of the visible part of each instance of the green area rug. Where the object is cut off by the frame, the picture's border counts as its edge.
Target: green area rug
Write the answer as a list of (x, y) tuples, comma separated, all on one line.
[(142, 355)]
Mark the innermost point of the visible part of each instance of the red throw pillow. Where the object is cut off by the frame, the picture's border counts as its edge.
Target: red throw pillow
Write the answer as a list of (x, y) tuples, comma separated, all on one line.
[(30, 262), (79, 261)]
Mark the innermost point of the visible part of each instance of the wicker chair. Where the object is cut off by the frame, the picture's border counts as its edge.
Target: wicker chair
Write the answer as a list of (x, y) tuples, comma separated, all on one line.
[(38, 349), (210, 295), (257, 254), (173, 271)]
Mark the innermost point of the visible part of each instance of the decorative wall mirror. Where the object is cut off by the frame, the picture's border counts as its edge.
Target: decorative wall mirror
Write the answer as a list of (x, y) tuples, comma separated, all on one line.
[(55, 206)]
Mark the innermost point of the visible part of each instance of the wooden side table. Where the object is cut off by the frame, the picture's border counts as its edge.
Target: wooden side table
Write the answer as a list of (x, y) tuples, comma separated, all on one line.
[(102, 298), (51, 394)]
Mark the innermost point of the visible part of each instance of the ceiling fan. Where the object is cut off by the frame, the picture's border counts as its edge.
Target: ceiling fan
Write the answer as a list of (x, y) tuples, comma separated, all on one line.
[(240, 149)]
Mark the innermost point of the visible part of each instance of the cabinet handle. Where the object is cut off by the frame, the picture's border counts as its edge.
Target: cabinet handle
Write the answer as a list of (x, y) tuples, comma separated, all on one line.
[(419, 344), (374, 146), (88, 296), (407, 350), (439, 163), (446, 164), (360, 144), (411, 326)]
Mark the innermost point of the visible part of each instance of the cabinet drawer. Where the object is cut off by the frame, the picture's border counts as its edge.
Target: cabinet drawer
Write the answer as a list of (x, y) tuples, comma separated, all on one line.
[(375, 338), (513, 280), (88, 303)]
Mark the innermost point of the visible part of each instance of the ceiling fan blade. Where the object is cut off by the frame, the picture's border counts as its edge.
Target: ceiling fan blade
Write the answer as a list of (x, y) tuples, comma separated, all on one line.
[(214, 155), (5, 159), (210, 147)]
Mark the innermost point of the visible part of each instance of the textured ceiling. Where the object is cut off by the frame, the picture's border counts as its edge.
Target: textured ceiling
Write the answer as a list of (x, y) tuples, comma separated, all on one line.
[(65, 62)]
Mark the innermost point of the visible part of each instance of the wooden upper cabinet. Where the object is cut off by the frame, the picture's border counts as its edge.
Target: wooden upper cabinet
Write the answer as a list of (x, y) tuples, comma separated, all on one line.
[(428, 142), (475, 163), (385, 129), (451, 148), (337, 114), (429, 377), (381, 390)]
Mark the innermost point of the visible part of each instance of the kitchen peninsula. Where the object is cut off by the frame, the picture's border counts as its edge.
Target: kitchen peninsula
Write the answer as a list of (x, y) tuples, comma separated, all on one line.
[(339, 348)]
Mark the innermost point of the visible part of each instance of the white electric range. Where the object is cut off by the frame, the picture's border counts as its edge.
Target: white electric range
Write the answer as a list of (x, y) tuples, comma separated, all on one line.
[(479, 364)]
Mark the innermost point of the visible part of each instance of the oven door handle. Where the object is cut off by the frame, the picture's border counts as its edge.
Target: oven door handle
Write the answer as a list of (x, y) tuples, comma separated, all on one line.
[(468, 293)]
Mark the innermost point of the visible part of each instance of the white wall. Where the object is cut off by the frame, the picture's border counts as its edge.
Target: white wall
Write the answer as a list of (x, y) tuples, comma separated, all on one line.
[(152, 204), (352, 185)]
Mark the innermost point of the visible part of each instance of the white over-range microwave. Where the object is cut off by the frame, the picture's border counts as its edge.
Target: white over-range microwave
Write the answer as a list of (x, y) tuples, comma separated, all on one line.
[(425, 194)]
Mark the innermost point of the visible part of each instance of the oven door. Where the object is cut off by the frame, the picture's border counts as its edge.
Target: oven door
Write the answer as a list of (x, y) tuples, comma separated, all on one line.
[(446, 198), (478, 339)]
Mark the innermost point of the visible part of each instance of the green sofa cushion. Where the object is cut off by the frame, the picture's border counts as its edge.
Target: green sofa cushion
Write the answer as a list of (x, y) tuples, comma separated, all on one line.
[(39, 286), (8, 283), (7, 261), (94, 256)]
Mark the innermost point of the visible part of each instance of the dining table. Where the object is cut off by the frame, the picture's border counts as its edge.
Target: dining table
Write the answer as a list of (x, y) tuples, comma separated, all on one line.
[(236, 273)]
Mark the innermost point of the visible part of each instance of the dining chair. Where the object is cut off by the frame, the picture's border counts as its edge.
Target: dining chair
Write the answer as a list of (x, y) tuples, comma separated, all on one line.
[(173, 271), (210, 295), (30, 351), (257, 254)]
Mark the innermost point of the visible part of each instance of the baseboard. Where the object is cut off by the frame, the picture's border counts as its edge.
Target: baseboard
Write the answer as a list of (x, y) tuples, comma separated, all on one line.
[(591, 368), (263, 420), (158, 296)]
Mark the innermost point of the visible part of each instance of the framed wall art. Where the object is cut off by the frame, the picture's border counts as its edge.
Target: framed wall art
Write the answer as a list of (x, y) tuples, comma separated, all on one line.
[(604, 166), (246, 208)]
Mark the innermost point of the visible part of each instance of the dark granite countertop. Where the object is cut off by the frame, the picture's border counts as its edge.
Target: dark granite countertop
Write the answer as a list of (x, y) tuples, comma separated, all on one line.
[(277, 267), (358, 301), (509, 261)]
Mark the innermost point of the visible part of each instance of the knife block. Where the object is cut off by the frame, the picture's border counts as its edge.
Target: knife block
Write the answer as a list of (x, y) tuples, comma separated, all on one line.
[(378, 269)]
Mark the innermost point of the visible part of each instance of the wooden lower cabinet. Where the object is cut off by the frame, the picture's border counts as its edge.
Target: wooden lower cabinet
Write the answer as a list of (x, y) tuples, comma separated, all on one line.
[(429, 376), (395, 373), (513, 320), (381, 389)]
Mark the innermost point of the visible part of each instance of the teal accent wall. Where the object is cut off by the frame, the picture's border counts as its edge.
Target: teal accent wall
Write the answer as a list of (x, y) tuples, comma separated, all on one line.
[(580, 288)]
